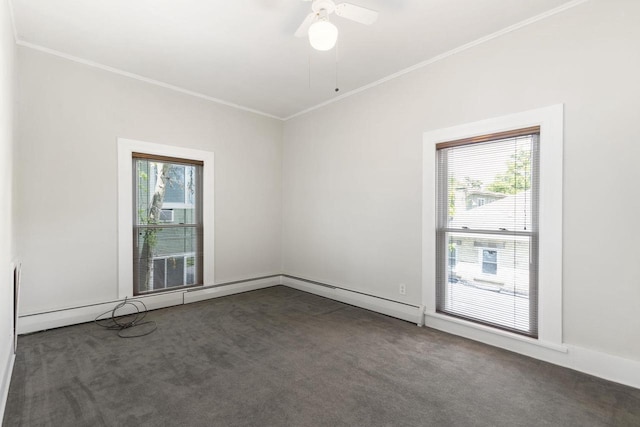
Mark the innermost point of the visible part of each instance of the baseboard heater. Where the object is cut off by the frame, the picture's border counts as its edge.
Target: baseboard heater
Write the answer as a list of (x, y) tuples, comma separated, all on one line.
[(401, 310), (34, 322), (235, 282), (68, 316)]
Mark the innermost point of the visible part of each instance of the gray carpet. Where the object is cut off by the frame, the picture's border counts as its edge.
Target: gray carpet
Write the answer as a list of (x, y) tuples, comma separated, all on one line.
[(278, 356)]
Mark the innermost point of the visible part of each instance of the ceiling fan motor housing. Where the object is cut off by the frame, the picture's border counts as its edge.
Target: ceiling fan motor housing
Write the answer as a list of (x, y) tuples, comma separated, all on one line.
[(326, 5)]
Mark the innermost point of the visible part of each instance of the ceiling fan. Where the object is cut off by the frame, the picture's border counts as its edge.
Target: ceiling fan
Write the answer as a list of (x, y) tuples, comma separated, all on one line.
[(322, 33)]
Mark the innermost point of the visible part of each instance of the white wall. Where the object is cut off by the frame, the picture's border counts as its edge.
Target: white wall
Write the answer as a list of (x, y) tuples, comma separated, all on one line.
[(66, 173), (7, 85), (352, 170)]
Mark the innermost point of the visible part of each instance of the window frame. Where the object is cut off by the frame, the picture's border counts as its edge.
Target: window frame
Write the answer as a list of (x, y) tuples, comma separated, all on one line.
[(126, 148), (550, 120), (488, 270), (140, 227)]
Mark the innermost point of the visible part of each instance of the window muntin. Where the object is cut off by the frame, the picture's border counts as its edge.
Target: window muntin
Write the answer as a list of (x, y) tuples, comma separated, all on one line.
[(167, 247), (494, 278)]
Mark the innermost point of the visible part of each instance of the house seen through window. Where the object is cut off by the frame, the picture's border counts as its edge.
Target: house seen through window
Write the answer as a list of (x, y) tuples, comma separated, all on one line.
[(167, 223), (487, 230)]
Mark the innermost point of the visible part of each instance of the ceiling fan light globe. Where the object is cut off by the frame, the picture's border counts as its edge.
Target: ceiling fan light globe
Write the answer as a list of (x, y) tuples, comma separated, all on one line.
[(323, 35)]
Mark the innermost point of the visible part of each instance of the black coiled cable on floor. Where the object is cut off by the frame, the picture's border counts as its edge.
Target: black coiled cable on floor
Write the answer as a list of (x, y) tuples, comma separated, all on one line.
[(127, 322)]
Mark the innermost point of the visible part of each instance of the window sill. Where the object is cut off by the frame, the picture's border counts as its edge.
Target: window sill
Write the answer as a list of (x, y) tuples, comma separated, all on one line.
[(479, 332)]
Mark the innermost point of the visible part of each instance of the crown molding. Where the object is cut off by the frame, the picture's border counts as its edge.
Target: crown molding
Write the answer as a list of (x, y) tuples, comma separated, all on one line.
[(142, 78), (442, 56)]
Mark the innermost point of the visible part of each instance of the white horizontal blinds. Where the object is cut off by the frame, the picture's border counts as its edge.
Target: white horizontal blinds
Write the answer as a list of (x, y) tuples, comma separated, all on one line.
[(168, 229), (487, 230)]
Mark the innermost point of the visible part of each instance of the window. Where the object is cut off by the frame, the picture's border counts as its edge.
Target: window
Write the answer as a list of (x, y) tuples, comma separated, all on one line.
[(453, 255), (166, 215), (489, 261), (167, 223), (171, 215), (548, 234), (494, 284)]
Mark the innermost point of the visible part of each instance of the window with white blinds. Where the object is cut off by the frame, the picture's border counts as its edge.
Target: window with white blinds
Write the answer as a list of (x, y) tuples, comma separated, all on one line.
[(487, 230)]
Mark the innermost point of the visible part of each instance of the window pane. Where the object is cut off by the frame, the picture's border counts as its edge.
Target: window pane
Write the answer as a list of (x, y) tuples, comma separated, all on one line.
[(175, 271), (159, 257), (174, 193), (190, 270), (166, 193), (158, 273), (489, 185), (489, 285)]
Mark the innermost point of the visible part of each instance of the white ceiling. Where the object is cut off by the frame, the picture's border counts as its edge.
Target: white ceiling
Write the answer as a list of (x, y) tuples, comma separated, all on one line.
[(244, 52)]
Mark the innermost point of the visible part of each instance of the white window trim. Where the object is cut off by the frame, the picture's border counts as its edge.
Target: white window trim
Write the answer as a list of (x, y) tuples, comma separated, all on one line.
[(126, 147), (550, 119)]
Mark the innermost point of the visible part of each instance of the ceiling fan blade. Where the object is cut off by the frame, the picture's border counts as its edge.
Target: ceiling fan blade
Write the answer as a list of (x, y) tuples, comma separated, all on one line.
[(303, 29), (356, 13)]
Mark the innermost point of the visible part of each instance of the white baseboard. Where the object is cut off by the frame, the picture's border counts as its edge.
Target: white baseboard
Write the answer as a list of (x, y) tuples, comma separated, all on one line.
[(71, 316), (380, 305), (204, 294), (599, 364), (55, 319), (6, 380), (613, 368)]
